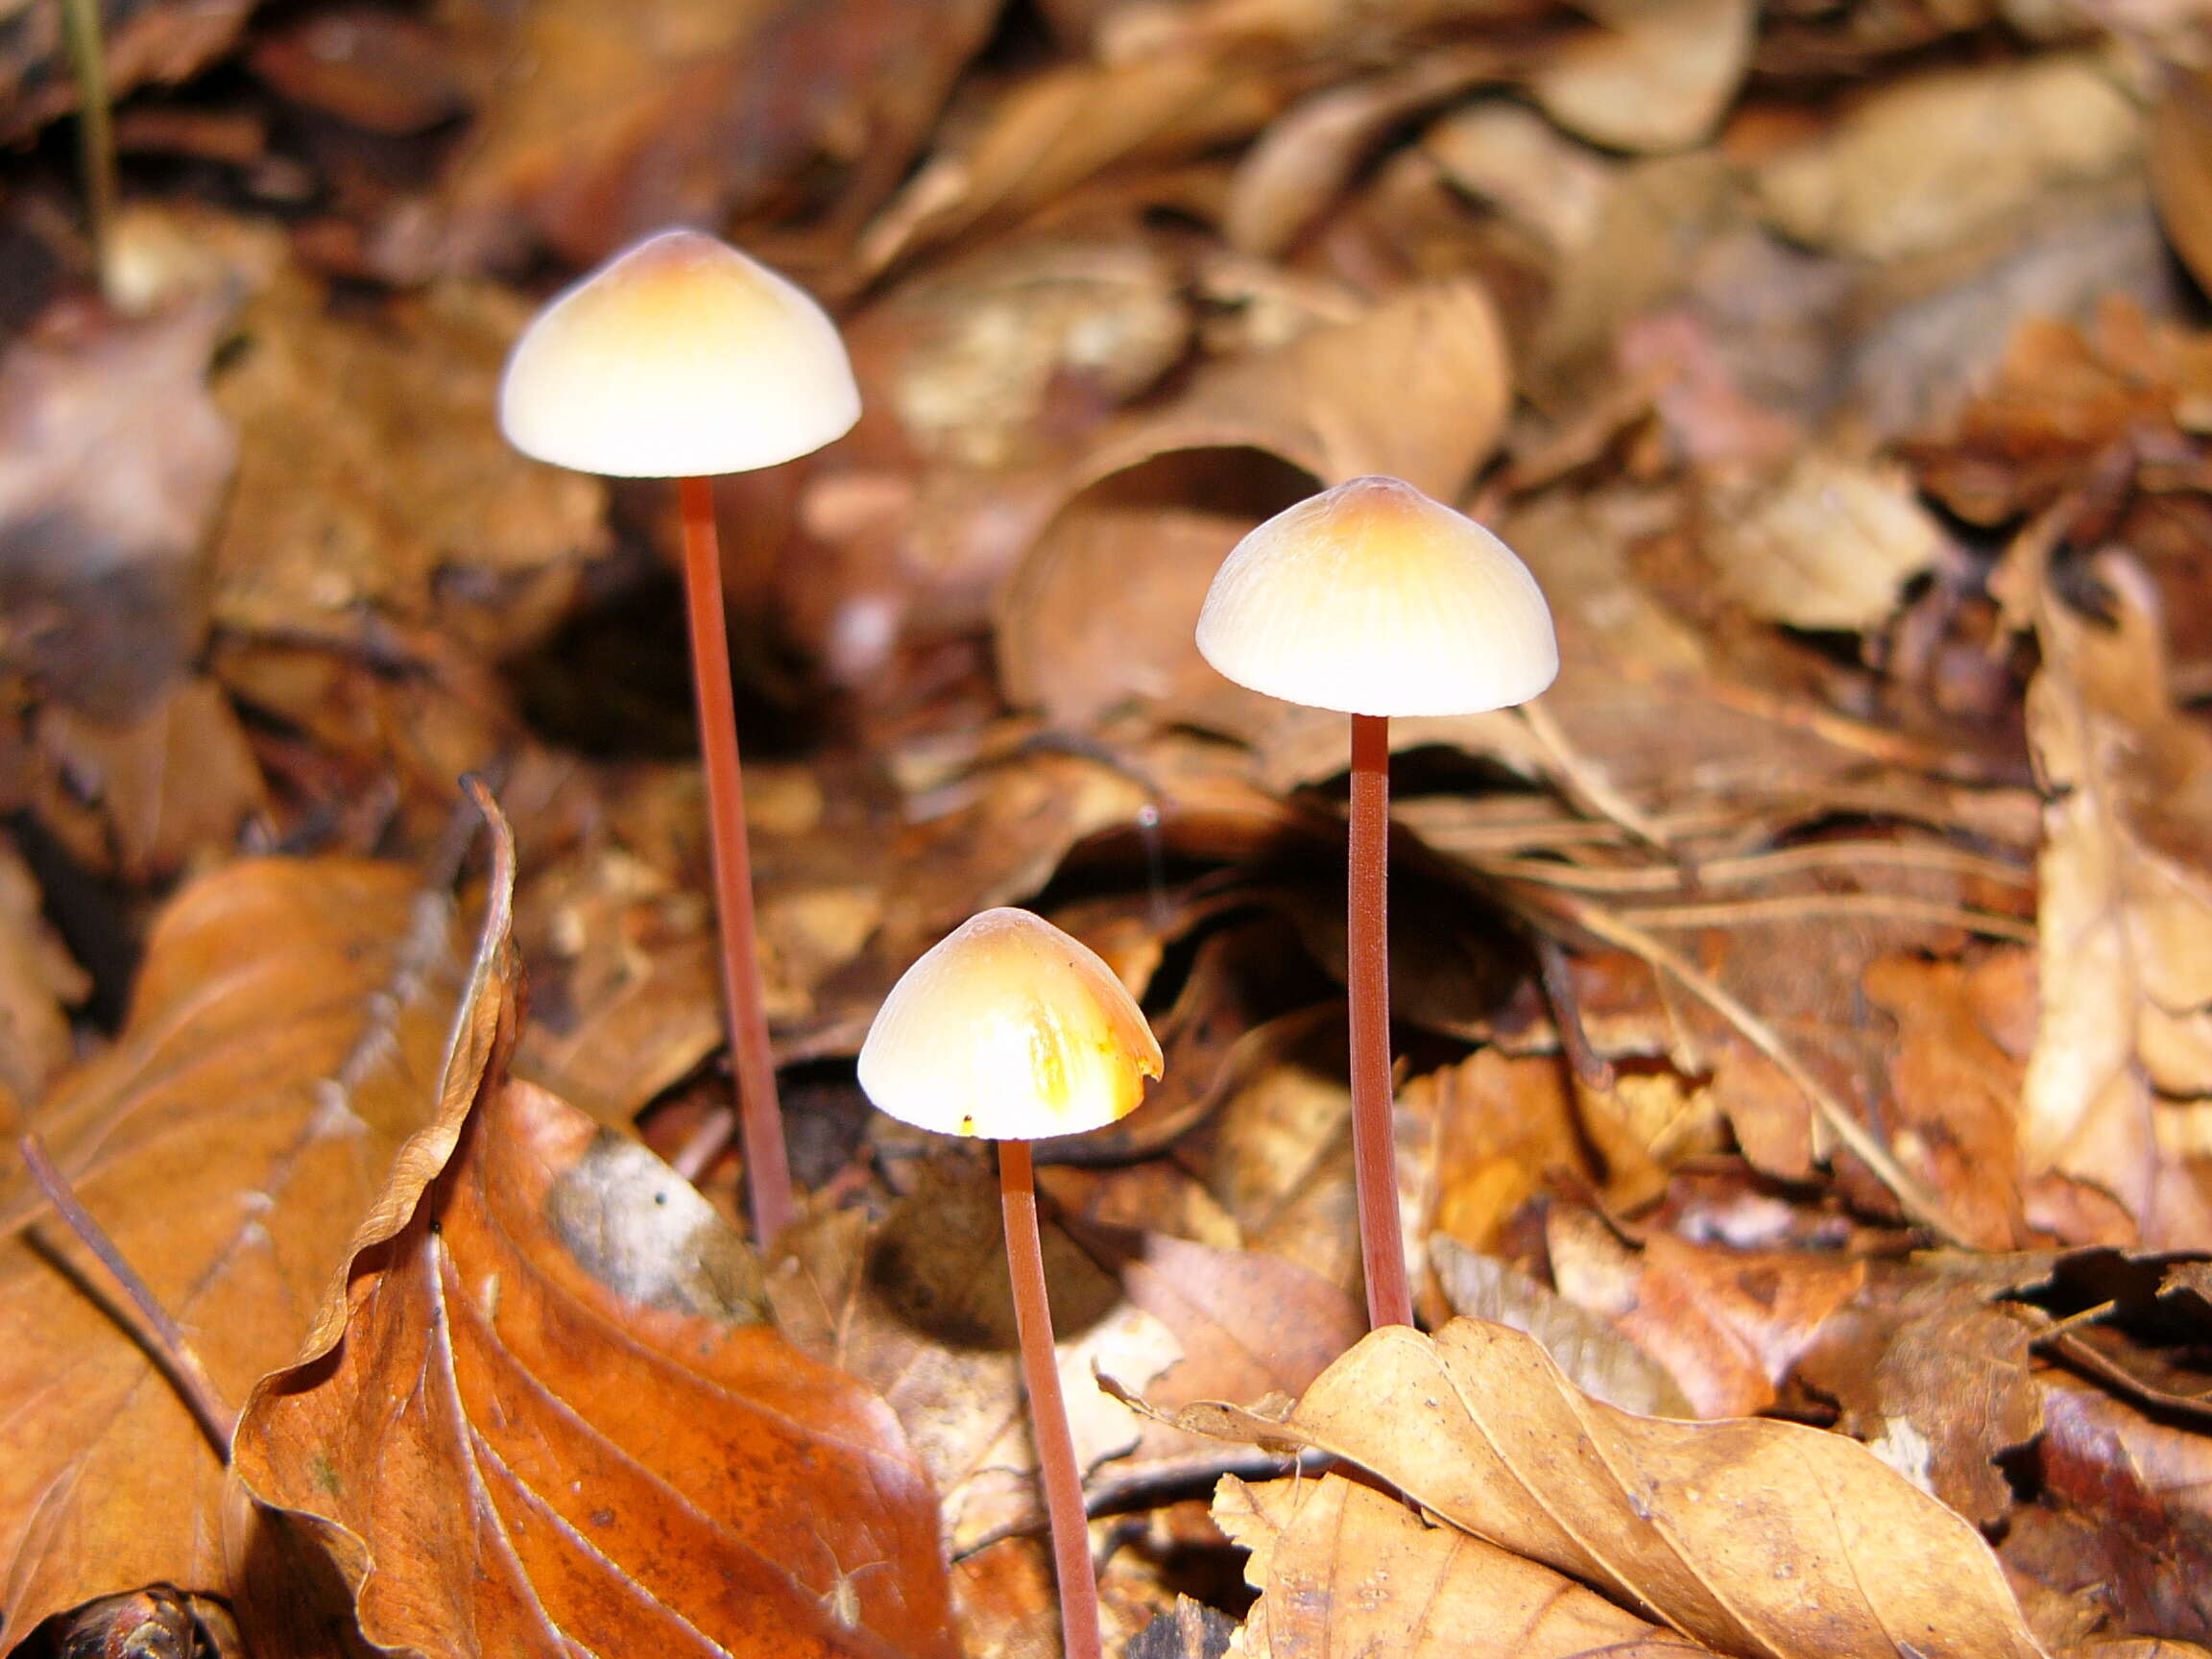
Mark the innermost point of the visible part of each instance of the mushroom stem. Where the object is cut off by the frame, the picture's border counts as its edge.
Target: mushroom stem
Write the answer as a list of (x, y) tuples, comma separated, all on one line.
[(760, 1120), (1367, 977), (1047, 1410)]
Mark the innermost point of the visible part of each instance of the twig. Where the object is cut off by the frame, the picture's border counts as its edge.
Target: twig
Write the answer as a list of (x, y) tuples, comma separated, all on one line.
[(162, 1336), (1796, 907), (1589, 781), (1591, 1069), (95, 127)]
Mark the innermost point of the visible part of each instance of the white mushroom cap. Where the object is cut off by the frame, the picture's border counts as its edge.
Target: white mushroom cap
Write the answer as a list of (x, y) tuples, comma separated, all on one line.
[(1009, 1030), (678, 358), (1373, 599)]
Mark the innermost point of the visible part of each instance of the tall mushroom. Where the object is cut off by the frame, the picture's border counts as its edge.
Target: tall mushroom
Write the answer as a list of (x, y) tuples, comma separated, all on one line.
[(1011, 1030), (682, 358), (1372, 599)]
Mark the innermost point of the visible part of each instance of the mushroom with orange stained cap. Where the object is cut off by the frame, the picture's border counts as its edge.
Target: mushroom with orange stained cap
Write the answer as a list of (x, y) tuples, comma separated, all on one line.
[(1372, 599), (1011, 1030), (682, 358)]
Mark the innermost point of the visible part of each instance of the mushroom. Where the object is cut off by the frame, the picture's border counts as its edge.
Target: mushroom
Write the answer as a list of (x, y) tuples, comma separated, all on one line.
[(1011, 1030), (1372, 599), (682, 358)]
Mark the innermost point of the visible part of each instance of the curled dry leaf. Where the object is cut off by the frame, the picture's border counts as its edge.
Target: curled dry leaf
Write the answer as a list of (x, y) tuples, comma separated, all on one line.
[(1342, 1568), (283, 1056), (1828, 545), (113, 461), (1924, 164), (1752, 1537), (2126, 916), (552, 1417), (373, 476), (1656, 77), (1102, 606)]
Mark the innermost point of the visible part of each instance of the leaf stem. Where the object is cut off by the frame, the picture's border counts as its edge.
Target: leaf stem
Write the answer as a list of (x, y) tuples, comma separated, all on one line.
[(164, 1338), (1368, 977), (767, 1167), (1048, 1409)]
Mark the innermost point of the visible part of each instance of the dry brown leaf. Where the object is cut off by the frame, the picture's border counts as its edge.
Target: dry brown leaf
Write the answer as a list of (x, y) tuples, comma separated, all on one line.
[(1827, 544), (1727, 1324), (1102, 606), (1342, 1568), (39, 982), (607, 125), (162, 42), (2181, 166), (552, 1417), (1657, 76), (152, 798), (1303, 160), (374, 483), (1052, 131), (1753, 1537), (112, 463), (1589, 1348), (283, 1056), (1925, 163), (1934, 1378), (2126, 920)]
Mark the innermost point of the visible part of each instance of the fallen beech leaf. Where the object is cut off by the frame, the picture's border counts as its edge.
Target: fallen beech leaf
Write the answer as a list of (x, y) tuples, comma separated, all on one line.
[(1102, 606), (1828, 545), (551, 1416), (113, 461), (2126, 918), (1925, 163), (1933, 1373), (1753, 1537), (1727, 1324), (38, 980), (282, 1057), (1656, 77), (1589, 1348), (1305, 158), (1341, 1568), (372, 478), (150, 797), (2181, 166)]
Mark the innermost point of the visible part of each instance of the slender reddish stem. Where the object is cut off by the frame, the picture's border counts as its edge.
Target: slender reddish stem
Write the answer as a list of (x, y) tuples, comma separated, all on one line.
[(1367, 976), (1047, 1410), (767, 1170)]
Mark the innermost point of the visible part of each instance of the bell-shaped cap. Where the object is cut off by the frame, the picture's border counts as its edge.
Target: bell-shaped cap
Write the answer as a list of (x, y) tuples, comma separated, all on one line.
[(678, 358), (1009, 1030), (1373, 599)]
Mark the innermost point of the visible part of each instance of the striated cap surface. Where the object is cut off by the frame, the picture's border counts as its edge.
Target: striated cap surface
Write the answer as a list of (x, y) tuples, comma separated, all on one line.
[(1373, 599), (678, 358), (1011, 1030)]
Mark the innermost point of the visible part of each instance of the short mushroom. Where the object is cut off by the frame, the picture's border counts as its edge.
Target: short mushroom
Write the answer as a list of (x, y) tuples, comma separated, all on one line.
[(1375, 600), (682, 358), (1011, 1030)]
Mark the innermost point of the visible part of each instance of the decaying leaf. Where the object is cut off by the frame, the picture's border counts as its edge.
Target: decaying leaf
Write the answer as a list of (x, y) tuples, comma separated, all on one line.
[(283, 1056), (1102, 606), (2126, 915), (1655, 77), (113, 461), (552, 1415), (1925, 163), (1341, 1565), (1752, 1537)]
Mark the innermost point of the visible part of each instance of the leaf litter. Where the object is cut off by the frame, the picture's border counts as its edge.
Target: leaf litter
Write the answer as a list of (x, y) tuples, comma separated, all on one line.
[(1800, 1019)]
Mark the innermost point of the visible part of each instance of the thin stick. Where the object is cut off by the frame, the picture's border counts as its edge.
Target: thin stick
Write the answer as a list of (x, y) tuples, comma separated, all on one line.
[(1592, 1070), (95, 127), (1368, 977), (1047, 1410), (768, 1169), (161, 1335)]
